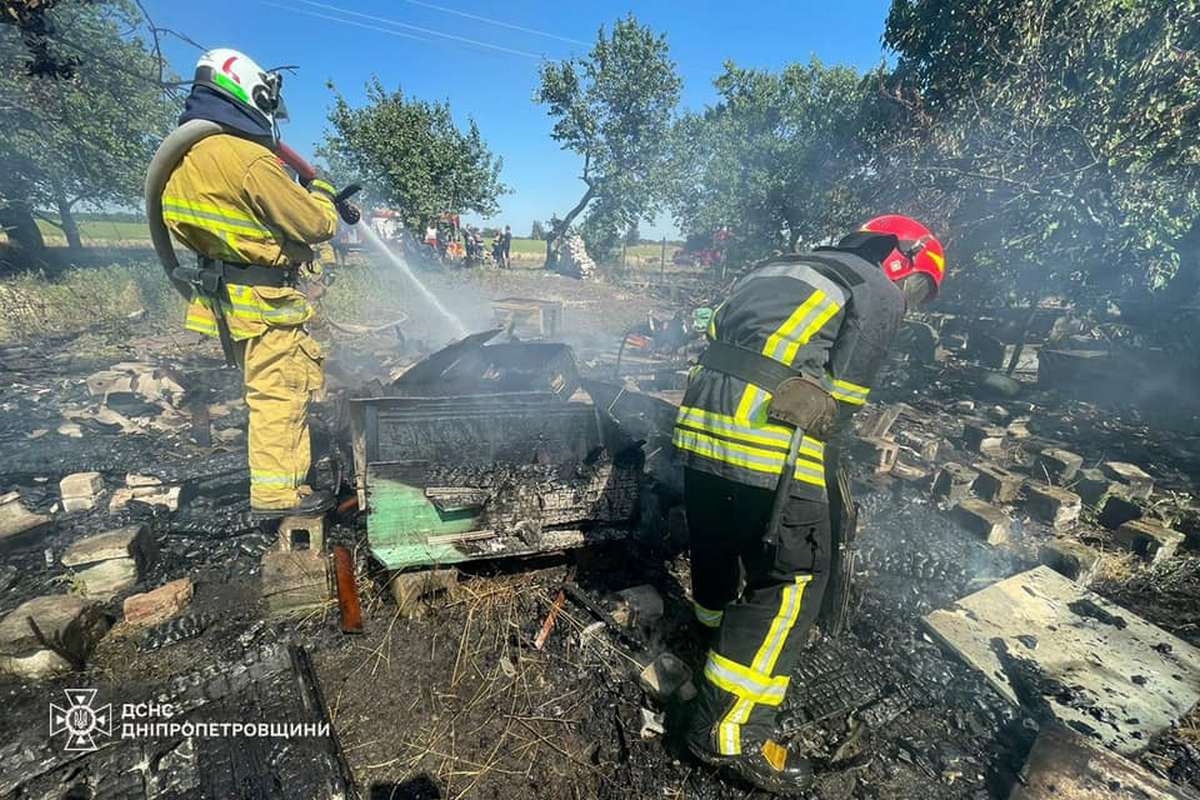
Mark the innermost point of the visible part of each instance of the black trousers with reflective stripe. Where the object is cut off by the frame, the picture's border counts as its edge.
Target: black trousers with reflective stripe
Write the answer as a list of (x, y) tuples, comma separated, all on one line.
[(765, 622)]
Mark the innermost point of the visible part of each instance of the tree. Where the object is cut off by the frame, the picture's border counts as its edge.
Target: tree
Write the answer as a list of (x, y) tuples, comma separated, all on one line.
[(410, 154), (633, 236), (777, 160), (614, 108), (537, 232), (1055, 140), (86, 137)]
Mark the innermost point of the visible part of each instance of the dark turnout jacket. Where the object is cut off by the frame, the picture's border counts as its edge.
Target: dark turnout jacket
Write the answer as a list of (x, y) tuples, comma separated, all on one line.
[(830, 315)]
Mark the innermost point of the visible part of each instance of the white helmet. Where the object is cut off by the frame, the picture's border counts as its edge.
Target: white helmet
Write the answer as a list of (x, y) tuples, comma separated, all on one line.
[(236, 76)]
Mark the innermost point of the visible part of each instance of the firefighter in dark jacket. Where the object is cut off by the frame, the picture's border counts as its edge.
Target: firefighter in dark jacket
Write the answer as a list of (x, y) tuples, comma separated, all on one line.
[(792, 353)]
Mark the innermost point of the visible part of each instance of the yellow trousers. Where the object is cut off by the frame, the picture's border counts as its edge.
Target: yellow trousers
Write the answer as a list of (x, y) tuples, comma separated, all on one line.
[(280, 368)]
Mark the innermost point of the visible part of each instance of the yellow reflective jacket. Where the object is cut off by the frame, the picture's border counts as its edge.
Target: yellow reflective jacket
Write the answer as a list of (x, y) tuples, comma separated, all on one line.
[(229, 199)]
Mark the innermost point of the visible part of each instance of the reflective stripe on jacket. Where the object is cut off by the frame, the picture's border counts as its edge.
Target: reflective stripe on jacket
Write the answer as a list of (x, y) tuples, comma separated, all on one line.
[(802, 315), (229, 199)]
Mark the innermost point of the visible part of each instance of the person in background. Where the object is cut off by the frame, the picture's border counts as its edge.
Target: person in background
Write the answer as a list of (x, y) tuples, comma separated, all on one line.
[(506, 246)]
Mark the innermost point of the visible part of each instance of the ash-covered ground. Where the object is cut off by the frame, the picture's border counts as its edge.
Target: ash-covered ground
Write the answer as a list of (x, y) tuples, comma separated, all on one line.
[(457, 701)]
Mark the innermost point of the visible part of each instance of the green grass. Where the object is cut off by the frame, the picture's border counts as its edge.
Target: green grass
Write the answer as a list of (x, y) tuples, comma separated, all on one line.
[(102, 231)]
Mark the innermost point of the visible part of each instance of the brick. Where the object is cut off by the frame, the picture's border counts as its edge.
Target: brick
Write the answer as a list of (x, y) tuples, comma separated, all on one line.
[(134, 480), (980, 437), (1052, 505), (664, 676), (1154, 542), (16, 521), (1019, 428), (72, 623), (638, 605), (106, 580), (997, 484), (302, 533), (911, 475), (80, 491), (954, 482), (296, 581), (1071, 559), (1118, 510), (165, 496), (926, 447), (1140, 483), (880, 454), (983, 520), (1057, 466), (1094, 488), (132, 541), (409, 588), (158, 605)]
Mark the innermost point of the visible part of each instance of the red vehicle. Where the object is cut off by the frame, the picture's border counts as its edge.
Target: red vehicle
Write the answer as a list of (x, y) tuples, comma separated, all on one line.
[(703, 250)]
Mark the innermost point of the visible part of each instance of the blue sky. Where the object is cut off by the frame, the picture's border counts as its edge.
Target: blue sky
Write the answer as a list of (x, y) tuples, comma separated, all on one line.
[(494, 81)]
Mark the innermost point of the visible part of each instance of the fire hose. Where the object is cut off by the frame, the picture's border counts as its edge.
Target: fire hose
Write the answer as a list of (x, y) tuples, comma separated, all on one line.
[(168, 156)]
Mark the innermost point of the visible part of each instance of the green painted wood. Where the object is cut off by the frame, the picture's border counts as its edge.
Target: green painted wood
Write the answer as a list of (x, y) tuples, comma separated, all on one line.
[(402, 519)]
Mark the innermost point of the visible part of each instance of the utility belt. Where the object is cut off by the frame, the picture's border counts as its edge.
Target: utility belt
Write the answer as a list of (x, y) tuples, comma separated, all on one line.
[(798, 400), (209, 274), (210, 279)]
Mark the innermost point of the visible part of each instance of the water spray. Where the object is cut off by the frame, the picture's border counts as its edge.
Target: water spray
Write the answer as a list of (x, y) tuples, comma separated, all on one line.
[(401, 266)]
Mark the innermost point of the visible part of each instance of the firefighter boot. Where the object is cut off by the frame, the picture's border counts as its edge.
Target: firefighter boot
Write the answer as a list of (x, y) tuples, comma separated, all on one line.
[(773, 768), (312, 503)]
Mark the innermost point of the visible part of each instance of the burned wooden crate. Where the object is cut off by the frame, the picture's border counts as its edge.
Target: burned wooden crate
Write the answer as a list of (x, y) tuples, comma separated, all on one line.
[(451, 478), (528, 318)]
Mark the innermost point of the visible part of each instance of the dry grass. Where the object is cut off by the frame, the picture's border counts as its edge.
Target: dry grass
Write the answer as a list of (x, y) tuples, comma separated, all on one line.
[(1116, 568), (33, 304)]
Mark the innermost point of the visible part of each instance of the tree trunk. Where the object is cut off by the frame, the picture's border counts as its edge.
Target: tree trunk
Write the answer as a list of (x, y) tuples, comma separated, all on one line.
[(70, 226), (554, 239), (23, 234)]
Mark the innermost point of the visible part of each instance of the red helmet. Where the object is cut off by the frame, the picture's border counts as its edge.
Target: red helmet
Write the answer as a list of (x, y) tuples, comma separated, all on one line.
[(919, 250)]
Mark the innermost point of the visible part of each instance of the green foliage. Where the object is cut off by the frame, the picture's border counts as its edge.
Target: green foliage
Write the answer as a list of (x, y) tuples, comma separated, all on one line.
[(614, 109), (410, 154), (775, 160), (84, 139), (1054, 141), (536, 231)]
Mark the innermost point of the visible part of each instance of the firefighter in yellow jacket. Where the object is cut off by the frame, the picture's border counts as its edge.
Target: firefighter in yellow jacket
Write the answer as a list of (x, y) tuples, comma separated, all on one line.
[(254, 229)]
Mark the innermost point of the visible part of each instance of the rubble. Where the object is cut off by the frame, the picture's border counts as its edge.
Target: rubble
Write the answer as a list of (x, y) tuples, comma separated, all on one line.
[(16, 520), (983, 520), (295, 581), (131, 542), (1118, 510), (49, 636), (663, 677), (639, 605), (954, 482), (1064, 765), (1137, 481), (158, 605), (1152, 541), (155, 495), (997, 484), (409, 588), (573, 258), (1071, 559), (106, 580), (302, 533), (1057, 466), (981, 437), (1047, 643), (1094, 488), (80, 491), (880, 453), (1052, 505)]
